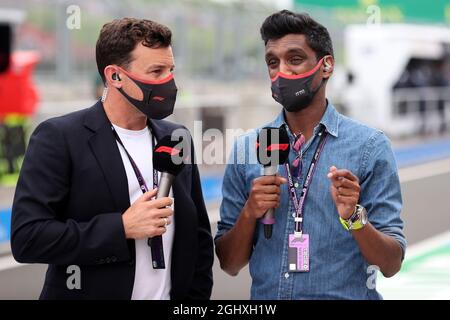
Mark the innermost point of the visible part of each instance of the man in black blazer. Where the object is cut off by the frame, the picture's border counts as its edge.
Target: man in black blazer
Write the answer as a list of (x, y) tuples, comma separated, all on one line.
[(72, 201)]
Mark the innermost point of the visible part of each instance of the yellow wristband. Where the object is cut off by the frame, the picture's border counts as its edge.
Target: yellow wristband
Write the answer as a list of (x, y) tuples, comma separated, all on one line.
[(357, 224)]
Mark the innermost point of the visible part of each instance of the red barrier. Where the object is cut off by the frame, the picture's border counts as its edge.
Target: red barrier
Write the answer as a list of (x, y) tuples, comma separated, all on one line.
[(18, 94)]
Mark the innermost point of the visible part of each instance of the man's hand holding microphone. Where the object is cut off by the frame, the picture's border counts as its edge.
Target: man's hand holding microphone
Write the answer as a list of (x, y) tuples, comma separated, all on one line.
[(147, 217), (234, 248), (264, 195)]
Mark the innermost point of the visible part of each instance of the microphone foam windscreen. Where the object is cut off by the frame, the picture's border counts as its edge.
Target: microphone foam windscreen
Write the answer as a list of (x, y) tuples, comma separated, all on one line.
[(168, 155), (272, 147)]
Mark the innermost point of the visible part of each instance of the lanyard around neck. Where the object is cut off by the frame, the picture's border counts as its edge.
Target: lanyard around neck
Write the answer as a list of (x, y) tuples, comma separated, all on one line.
[(137, 172), (300, 203)]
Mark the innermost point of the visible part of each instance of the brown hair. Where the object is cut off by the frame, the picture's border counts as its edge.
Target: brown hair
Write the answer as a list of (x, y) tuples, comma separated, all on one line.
[(119, 37)]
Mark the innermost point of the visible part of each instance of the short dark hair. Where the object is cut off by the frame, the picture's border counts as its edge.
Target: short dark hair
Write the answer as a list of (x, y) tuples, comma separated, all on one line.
[(119, 37), (287, 22)]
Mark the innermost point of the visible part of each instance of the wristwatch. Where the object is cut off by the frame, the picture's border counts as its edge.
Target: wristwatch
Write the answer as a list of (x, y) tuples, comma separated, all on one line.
[(357, 220)]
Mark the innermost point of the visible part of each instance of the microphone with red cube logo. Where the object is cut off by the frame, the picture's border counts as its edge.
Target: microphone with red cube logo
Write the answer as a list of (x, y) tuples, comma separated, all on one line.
[(167, 159), (272, 149)]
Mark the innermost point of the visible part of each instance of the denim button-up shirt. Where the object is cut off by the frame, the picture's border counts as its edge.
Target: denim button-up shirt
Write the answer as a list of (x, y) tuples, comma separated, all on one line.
[(337, 268)]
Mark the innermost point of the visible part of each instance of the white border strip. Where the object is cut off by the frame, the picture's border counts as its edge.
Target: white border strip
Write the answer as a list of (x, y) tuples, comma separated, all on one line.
[(427, 245), (426, 170)]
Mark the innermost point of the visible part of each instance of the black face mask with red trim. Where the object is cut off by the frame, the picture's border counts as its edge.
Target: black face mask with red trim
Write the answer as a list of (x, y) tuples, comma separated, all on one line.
[(159, 96), (294, 92)]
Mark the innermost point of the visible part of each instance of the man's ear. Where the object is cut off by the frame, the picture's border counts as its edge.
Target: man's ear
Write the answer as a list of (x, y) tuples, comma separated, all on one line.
[(328, 66), (112, 76)]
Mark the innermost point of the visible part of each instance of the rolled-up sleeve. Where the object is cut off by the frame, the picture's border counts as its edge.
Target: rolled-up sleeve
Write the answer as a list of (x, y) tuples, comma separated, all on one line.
[(380, 188)]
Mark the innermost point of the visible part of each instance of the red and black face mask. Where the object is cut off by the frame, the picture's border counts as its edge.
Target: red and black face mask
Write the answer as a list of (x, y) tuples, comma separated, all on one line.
[(295, 92), (159, 96)]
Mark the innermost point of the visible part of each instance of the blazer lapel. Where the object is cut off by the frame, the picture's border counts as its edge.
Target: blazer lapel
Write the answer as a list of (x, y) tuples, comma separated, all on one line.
[(104, 147)]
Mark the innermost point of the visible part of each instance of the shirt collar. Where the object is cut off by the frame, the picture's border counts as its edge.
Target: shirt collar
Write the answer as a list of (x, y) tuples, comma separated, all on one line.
[(330, 120)]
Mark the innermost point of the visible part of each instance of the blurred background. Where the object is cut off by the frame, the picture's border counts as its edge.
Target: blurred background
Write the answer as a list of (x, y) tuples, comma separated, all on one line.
[(392, 72)]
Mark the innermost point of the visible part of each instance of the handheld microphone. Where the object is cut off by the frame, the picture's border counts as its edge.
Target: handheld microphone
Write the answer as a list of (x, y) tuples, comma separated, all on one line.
[(163, 161), (272, 149)]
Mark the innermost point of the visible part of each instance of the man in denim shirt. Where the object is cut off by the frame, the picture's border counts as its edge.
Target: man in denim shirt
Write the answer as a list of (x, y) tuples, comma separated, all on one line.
[(352, 210)]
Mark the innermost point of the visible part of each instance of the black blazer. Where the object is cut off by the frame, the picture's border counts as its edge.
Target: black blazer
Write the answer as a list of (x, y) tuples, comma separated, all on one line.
[(67, 209)]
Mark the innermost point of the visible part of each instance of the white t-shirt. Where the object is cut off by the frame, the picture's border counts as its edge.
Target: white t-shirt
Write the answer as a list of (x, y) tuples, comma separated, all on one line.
[(149, 283)]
